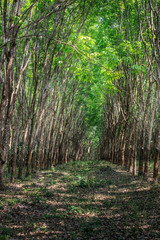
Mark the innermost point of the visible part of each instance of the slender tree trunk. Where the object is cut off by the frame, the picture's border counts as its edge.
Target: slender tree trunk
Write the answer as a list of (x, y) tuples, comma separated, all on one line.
[(28, 170), (34, 155), (15, 155), (157, 150), (135, 150), (1, 174), (22, 154), (141, 156), (149, 134)]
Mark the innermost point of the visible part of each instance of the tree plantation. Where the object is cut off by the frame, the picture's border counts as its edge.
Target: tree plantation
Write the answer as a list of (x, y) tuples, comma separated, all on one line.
[(79, 82), (79, 78)]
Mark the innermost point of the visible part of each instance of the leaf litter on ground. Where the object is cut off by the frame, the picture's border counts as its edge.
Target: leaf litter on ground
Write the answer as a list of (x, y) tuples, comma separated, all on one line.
[(81, 200)]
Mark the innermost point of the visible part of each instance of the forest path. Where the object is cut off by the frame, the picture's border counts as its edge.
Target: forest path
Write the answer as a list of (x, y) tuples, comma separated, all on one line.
[(86, 200)]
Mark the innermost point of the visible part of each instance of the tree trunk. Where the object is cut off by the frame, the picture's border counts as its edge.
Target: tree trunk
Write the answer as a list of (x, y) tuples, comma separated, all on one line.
[(15, 156), (28, 170), (135, 150), (1, 175), (149, 135), (157, 152)]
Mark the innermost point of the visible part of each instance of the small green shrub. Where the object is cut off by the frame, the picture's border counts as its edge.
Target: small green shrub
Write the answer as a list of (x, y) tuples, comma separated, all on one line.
[(71, 188), (82, 183), (7, 232), (13, 201), (76, 209), (36, 198), (47, 193), (109, 203), (5, 237)]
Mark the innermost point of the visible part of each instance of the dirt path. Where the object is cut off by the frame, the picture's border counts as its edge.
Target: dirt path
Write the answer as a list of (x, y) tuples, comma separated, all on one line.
[(83, 201)]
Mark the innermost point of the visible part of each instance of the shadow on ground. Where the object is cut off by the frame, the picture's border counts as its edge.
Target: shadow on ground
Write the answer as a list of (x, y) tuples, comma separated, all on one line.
[(90, 201)]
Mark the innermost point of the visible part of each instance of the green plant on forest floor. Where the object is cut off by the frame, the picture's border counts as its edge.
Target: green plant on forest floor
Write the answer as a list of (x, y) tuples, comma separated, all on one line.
[(36, 198), (46, 193), (13, 201), (88, 183), (109, 203), (5, 232)]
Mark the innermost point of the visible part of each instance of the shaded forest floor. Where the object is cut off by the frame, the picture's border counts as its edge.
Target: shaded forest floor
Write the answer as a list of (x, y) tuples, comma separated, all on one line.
[(81, 200)]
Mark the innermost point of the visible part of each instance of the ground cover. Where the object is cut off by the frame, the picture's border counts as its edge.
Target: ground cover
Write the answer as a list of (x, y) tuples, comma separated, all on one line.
[(81, 200)]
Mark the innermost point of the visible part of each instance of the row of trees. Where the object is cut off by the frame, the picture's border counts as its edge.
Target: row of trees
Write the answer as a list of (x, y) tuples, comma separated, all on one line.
[(77, 76), (42, 120), (131, 116)]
